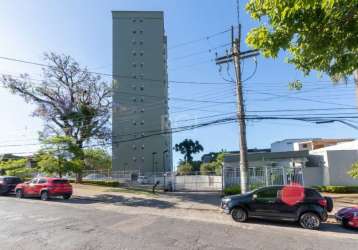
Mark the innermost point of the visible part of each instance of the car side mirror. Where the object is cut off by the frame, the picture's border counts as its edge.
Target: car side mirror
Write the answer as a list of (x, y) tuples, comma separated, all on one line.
[(254, 197)]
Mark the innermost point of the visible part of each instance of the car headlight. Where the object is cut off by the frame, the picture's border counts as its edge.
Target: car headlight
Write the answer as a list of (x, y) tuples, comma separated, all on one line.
[(226, 200)]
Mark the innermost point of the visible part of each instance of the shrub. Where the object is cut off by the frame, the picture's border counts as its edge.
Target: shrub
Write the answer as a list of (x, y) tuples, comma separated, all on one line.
[(207, 168), (101, 183), (337, 189), (236, 189), (185, 169)]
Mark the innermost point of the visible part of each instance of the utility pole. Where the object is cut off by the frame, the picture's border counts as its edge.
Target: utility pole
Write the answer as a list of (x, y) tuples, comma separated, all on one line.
[(236, 56)]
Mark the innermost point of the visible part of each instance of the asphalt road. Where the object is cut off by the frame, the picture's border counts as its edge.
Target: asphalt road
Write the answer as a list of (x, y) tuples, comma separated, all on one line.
[(34, 224)]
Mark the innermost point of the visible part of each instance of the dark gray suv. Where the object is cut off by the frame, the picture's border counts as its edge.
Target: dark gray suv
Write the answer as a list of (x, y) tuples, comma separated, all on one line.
[(289, 203), (8, 184)]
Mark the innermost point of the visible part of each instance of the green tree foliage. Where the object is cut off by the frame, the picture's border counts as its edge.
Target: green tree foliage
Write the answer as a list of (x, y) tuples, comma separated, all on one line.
[(354, 171), (319, 35), (214, 166), (188, 147), (60, 156), (19, 168), (208, 168), (185, 169), (97, 159)]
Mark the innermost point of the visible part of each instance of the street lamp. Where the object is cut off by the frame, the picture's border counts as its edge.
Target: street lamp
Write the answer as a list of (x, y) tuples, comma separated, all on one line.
[(153, 155), (164, 152), (164, 170)]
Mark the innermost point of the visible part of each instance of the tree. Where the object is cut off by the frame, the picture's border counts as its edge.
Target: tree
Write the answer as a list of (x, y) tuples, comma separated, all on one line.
[(214, 166), (185, 168), (72, 101), (207, 168), (60, 156), (17, 168), (97, 159), (187, 148), (354, 171), (319, 35)]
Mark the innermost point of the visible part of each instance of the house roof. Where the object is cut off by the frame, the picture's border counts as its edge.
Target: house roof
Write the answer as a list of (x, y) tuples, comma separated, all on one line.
[(267, 156), (351, 145)]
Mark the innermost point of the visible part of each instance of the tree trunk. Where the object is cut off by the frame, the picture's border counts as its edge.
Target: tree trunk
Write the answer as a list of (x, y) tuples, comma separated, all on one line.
[(79, 175)]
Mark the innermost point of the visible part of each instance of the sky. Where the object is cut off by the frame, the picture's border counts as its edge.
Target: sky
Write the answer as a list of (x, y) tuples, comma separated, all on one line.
[(83, 29)]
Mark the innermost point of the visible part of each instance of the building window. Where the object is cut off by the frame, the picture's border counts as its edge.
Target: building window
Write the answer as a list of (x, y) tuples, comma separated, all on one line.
[(134, 53), (143, 146), (134, 147), (134, 158), (141, 32), (142, 87), (134, 87), (142, 65), (134, 65), (141, 43), (141, 53), (142, 122), (134, 123), (141, 99), (142, 110), (134, 20), (134, 99), (142, 158), (134, 32), (141, 20), (134, 42)]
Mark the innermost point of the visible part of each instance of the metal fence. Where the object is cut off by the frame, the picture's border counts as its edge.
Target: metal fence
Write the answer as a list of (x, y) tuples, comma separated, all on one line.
[(196, 181), (264, 176)]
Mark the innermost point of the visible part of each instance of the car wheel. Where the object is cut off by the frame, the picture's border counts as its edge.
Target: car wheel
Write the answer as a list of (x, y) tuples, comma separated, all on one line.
[(310, 221), (19, 194), (239, 214), (44, 195), (66, 197)]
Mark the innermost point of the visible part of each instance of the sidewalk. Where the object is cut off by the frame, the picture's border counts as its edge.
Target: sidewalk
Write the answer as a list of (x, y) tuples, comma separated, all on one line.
[(134, 197)]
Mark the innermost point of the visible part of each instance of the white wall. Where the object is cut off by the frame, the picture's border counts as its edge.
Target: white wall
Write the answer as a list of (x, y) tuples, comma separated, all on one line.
[(339, 163), (313, 176)]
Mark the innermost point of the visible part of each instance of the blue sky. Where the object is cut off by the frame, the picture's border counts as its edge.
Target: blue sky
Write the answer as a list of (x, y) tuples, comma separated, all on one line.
[(83, 29)]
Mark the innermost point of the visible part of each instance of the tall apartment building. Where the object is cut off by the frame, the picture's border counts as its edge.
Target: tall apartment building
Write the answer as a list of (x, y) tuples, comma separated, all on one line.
[(140, 93)]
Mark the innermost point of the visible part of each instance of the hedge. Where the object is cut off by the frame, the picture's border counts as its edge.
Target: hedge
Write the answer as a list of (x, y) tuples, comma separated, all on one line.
[(100, 183), (236, 189), (337, 189)]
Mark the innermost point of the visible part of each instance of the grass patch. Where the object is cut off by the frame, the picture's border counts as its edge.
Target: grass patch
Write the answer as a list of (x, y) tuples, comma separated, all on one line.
[(133, 190), (101, 183), (337, 189)]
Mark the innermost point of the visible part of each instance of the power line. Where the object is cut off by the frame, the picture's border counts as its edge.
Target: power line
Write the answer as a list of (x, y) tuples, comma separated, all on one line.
[(199, 39)]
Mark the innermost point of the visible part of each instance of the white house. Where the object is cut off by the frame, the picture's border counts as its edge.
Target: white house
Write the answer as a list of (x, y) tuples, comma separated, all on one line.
[(332, 164)]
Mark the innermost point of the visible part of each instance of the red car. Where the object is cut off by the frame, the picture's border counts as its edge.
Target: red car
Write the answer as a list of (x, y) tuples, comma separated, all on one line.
[(44, 188), (348, 216)]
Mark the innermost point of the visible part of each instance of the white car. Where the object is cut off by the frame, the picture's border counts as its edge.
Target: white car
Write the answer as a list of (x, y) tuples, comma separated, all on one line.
[(96, 177), (143, 180)]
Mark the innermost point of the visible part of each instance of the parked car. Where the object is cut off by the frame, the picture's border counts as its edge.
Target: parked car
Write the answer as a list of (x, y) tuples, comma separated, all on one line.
[(96, 177), (143, 180), (8, 184), (289, 203), (348, 216), (44, 188)]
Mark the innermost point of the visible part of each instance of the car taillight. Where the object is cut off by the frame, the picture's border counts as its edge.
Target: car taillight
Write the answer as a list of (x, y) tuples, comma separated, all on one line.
[(322, 202)]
